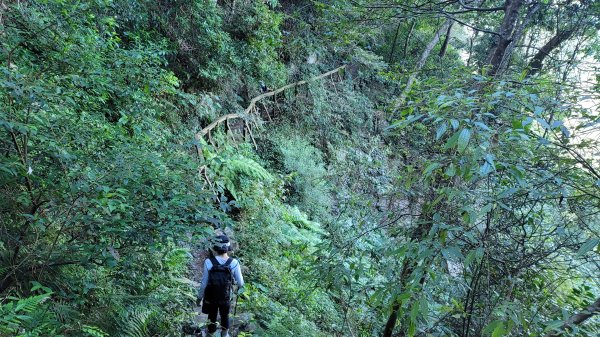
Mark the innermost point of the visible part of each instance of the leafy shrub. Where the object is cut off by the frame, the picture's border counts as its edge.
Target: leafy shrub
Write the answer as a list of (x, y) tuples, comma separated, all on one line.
[(308, 187)]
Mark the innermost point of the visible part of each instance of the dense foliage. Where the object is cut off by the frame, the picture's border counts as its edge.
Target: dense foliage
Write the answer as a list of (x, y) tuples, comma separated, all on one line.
[(444, 181)]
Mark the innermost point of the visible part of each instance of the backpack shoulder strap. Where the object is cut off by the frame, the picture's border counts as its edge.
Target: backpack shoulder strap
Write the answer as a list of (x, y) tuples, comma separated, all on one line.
[(214, 261), (228, 262)]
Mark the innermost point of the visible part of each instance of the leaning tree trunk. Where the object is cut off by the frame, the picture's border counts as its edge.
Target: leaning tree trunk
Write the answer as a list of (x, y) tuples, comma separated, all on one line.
[(516, 37), (497, 52), (536, 63), (421, 62), (589, 311), (393, 318), (391, 57), (446, 41)]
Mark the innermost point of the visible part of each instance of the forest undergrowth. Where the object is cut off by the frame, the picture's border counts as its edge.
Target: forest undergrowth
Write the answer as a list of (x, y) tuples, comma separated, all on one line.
[(394, 168)]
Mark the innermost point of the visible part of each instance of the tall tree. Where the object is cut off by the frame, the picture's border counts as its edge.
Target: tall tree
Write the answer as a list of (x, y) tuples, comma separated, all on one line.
[(505, 35)]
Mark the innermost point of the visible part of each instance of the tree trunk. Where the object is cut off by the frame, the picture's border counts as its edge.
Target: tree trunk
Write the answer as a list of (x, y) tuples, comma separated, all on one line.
[(423, 226), (446, 41), (471, 40), (536, 63), (421, 62), (410, 31), (393, 318), (391, 57), (589, 311), (505, 35), (516, 37)]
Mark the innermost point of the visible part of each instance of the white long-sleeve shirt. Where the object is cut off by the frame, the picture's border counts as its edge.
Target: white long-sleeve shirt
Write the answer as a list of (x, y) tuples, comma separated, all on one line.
[(234, 266)]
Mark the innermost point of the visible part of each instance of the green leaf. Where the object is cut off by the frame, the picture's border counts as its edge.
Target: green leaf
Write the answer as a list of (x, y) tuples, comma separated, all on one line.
[(543, 123), (482, 126), (587, 246), (485, 169), (404, 123), (441, 130), (471, 256), (517, 124), (507, 192), (414, 311), (427, 172), (485, 209), (412, 329), (454, 123), (552, 325), (538, 110), (499, 331), (463, 139), (451, 170), (495, 328), (452, 253), (451, 142)]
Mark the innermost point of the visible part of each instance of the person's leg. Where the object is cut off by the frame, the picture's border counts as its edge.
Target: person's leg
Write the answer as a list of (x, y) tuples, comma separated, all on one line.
[(224, 313), (212, 318)]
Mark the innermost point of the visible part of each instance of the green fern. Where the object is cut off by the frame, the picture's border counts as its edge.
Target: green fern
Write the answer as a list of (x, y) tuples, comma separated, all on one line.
[(233, 169), (177, 257), (249, 168), (135, 322), (300, 220), (3, 271), (93, 331), (63, 311), (30, 304), (26, 314)]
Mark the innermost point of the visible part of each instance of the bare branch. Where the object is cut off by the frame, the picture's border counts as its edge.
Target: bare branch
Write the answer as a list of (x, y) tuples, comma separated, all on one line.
[(578, 318), (255, 100)]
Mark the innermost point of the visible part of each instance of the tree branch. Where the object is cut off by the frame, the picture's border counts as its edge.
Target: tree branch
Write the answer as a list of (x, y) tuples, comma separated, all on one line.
[(578, 318), (254, 100)]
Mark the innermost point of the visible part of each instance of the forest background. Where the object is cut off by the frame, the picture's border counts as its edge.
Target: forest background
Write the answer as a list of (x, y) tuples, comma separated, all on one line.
[(441, 179)]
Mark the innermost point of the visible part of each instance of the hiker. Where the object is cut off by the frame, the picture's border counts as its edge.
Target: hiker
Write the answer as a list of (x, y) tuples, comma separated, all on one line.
[(217, 282)]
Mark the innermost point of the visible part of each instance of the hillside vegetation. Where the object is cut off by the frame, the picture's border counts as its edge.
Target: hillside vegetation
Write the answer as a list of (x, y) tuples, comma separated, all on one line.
[(384, 168)]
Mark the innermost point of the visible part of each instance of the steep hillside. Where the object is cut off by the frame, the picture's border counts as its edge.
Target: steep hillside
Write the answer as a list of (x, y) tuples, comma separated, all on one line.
[(394, 168)]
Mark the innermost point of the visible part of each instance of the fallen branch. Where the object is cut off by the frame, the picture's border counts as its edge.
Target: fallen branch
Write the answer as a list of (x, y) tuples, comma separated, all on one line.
[(253, 102)]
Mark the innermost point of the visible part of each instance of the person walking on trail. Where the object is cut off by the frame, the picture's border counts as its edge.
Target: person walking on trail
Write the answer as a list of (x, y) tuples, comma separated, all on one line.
[(220, 271)]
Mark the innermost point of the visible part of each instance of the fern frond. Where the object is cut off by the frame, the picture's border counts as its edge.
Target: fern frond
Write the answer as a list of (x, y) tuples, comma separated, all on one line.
[(249, 168), (3, 271), (93, 331), (232, 169), (27, 314), (135, 323), (63, 311), (30, 304)]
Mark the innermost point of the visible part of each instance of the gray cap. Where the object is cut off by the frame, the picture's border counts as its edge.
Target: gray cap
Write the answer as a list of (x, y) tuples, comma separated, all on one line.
[(221, 242)]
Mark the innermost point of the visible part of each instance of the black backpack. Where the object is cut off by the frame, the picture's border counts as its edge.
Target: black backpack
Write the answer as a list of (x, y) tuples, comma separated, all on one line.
[(220, 281)]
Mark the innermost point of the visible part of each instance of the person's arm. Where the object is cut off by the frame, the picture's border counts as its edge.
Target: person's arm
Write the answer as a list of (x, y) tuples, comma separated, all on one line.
[(204, 281), (237, 274)]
